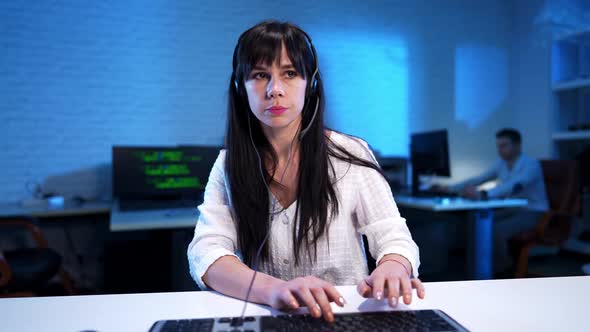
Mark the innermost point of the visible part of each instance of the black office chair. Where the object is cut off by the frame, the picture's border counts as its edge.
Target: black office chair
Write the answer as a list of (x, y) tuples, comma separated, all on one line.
[(27, 271)]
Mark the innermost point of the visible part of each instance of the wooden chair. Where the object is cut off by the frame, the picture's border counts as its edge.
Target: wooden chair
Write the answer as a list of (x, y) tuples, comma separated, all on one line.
[(25, 271), (562, 183)]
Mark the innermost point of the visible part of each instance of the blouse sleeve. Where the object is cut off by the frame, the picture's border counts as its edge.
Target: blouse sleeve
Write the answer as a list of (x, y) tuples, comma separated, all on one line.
[(215, 232), (379, 218)]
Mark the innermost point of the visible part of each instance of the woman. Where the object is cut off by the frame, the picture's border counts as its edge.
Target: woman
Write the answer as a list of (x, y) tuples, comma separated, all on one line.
[(290, 198)]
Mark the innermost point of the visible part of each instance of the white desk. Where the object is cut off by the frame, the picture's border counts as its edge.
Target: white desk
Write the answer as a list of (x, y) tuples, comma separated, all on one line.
[(551, 304), (458, 204), (152, 219), (481, 215), (8, 210), (120, 221)]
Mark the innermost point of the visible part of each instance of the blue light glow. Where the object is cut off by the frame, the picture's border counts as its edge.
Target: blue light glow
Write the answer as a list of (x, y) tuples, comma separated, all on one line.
[(366, 83), (481, 83)]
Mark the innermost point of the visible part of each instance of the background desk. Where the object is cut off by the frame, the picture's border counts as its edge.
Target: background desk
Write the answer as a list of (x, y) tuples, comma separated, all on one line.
[(551, 304), (119, 221), (76, 231), (171, 229), (10, 210), (152, 219), (481, 215), (108, 250)]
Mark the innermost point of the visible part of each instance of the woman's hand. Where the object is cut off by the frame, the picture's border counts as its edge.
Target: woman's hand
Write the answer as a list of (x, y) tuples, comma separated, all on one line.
[(391, 279), (311, 292)]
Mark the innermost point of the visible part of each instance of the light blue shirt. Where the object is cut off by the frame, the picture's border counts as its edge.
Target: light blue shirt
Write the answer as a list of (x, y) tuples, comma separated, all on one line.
[(524, 180)]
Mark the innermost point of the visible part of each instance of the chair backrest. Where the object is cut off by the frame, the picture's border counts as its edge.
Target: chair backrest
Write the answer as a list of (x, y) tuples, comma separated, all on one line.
[(562, 183)]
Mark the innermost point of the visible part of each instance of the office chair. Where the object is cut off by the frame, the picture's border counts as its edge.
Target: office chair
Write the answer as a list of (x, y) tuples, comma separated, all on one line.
[(26, 271), (562, 184)]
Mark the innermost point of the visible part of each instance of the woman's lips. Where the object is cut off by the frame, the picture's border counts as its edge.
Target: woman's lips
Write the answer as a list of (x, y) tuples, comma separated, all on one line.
[(276, 110)]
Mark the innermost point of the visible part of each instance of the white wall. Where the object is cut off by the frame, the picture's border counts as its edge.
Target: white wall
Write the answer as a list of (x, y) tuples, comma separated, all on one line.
[(76, 79), (460, 78)]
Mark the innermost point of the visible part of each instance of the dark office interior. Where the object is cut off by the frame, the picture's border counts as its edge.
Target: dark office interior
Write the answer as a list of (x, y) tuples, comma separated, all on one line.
[(113, 114)]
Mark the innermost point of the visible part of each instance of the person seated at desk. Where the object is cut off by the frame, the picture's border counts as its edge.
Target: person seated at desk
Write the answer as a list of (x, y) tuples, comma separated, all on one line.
[(289, 198), (517, 176)]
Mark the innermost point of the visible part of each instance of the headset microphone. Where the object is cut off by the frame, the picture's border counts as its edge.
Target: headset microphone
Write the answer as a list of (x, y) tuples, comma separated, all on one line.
[(304, 131)]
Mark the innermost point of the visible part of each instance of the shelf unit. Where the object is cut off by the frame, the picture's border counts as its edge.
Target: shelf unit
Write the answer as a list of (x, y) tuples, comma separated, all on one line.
[(570, 89), (570, 86), (572, 135)]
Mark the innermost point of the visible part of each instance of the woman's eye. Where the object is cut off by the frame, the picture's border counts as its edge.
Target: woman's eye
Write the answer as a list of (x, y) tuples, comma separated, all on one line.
[(259, 76), (291, 73)]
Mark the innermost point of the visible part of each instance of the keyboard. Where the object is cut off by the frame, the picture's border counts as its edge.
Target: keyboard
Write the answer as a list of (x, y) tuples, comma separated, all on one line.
[(412, 320)]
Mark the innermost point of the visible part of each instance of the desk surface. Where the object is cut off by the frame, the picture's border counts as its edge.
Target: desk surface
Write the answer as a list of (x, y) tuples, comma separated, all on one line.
[(152, 219), (120, 221), (544, 304), (8, 210), (457, 204)]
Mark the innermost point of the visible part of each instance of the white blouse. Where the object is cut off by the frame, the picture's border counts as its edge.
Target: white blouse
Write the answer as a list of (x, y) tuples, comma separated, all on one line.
[(366, 206)]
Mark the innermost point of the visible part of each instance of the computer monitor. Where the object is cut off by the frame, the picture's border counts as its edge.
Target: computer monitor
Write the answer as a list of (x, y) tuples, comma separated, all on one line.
[(429, 153), (161, 173)]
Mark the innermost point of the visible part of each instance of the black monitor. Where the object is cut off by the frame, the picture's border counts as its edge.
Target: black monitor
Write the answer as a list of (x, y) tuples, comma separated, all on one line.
[(161, 173), (429, 153)]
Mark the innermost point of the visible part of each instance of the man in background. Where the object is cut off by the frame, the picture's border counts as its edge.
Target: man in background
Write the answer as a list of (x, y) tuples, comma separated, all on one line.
[(517, 176)]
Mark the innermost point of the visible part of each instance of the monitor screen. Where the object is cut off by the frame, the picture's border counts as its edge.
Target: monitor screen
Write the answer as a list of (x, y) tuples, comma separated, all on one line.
[(429, 152), (161, 172)]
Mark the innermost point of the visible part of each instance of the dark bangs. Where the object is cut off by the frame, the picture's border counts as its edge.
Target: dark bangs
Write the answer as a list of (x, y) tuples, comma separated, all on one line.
[(263, 45)]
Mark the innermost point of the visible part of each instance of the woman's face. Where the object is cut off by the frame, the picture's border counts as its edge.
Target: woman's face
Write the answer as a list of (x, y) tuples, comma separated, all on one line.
[(276, 93)]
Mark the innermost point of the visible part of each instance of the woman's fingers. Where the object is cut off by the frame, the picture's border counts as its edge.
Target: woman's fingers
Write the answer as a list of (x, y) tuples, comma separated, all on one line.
[(406, 289), (322, 300), (304, 295), (317, 294), (378, 285), (416, 283), (314, 293), (333, 294), (364, 289), (393, 285), (289, 301)]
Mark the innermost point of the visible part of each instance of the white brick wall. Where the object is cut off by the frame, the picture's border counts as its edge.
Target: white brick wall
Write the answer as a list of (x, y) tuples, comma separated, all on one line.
[(78, 77)]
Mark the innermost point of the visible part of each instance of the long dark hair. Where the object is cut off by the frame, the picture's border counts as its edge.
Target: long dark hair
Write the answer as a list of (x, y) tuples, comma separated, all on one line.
[(315, 189)]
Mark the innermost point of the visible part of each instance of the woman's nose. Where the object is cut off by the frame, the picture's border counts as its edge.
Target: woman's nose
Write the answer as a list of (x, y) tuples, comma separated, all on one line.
[(275, 89)]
